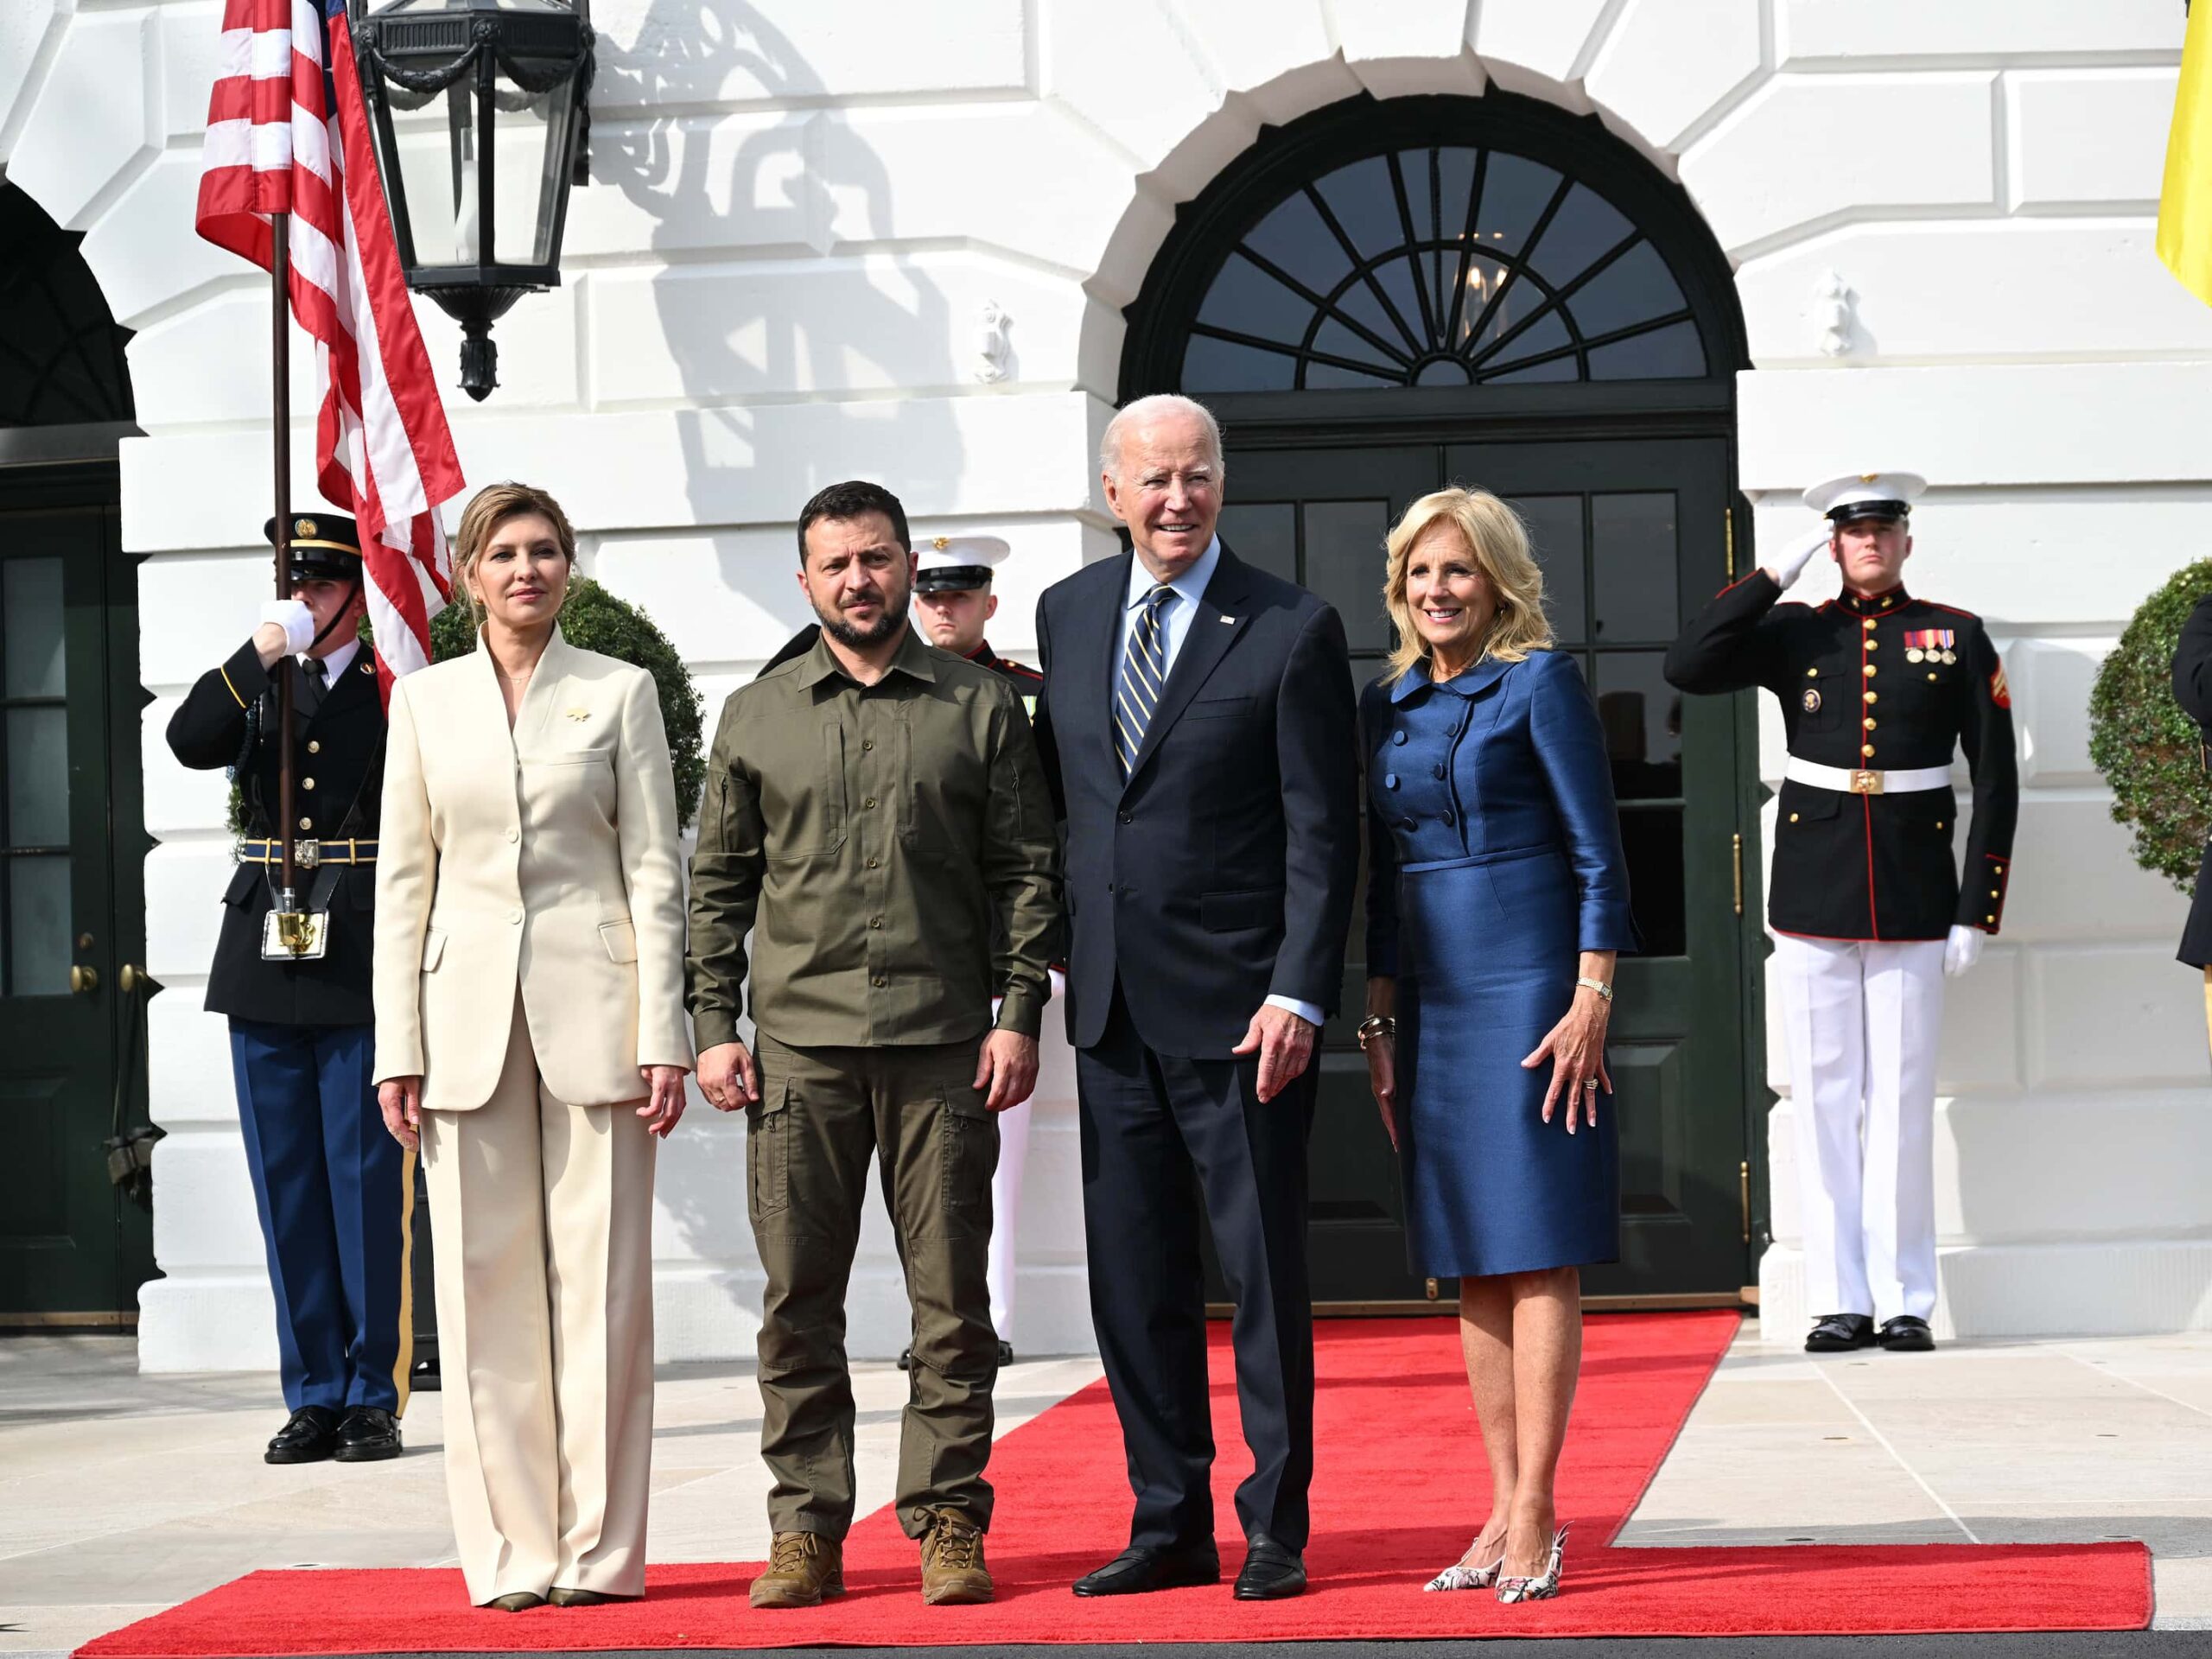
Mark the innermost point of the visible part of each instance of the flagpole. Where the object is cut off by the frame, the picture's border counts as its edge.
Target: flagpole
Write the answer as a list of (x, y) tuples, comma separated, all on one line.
[(280, 340)]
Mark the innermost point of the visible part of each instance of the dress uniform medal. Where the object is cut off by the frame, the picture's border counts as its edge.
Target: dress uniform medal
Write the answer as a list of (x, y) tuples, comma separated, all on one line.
[(1931, 645)]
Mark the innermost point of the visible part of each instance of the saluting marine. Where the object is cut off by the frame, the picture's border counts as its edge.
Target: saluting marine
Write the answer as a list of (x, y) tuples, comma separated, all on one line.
[(332, 1189), (953, 601), (1869, 911)]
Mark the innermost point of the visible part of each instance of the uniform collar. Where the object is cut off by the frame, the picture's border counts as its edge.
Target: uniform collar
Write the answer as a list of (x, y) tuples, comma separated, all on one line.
[(983, 656), (1466, 684), (1882, 604), (339, 660), (913, 658)]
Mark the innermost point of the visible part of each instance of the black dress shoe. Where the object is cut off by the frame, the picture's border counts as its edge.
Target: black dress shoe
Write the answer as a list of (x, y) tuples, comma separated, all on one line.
[(560, 1596), (1906, 1334), (368, 1435), (1006, 1353), (517, 1601), (309, 1436), (1839, 1333), (1139, 1569), (1271, 1572)]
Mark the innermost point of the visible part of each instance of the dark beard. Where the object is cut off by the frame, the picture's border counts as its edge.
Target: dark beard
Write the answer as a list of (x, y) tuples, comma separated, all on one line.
[(860, 639)]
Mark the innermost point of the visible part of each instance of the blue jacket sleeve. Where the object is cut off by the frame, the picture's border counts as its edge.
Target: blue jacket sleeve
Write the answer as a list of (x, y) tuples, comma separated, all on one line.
[(1381, 843), (1571, 749)]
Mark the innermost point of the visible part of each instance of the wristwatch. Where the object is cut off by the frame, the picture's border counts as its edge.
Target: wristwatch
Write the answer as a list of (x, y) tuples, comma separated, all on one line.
[(1598, 986)]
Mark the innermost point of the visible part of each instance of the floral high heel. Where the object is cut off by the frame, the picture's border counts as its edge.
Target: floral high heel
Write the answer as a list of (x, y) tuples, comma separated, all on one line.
[(1538, 1589), (1460, 1576)]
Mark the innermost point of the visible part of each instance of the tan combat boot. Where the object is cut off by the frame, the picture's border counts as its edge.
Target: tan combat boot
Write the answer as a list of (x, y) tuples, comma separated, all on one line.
[(953, 1573), (804, 1569)]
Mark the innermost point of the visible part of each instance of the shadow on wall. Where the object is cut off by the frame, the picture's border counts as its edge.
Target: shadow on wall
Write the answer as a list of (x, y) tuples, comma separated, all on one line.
[(760, 350), (763, 352)]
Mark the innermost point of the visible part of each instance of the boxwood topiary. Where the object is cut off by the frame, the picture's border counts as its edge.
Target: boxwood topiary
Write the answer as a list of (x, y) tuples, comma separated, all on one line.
[(594, 620), (2147, 748)]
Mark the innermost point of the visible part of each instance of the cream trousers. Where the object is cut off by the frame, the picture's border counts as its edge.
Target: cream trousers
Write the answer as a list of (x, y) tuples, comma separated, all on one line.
[(543, 1213)]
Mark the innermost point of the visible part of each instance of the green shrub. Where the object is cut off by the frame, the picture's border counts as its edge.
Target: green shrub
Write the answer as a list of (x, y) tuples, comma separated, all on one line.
[(594, 620), (2147, 748)]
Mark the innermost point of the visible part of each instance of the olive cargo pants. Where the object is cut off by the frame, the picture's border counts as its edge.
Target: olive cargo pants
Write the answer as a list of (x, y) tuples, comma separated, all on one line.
[(822, 1113)]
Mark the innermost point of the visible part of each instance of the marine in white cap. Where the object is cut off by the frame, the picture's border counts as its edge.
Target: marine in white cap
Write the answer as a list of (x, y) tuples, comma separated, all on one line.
[(953, 601), (1868, 909)]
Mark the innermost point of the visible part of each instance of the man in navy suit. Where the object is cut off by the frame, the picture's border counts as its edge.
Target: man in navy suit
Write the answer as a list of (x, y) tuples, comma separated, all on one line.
[(1197, 726)]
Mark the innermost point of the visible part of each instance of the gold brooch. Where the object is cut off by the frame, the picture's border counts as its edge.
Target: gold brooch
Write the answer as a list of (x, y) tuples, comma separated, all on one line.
[(579, 714)]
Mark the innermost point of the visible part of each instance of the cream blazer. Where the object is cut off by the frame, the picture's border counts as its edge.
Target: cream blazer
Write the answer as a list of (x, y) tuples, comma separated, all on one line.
[(542, 860)]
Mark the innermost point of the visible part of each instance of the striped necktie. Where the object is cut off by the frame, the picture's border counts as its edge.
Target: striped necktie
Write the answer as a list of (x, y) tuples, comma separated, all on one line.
[(1144, 671)]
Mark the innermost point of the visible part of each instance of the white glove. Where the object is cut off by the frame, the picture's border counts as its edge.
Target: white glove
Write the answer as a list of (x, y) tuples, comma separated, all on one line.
[(1961, 951), (295, 619), (1791, 565)]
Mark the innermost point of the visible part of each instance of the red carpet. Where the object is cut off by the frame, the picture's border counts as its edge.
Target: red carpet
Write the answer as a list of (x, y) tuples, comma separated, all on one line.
[(1400, 1489)]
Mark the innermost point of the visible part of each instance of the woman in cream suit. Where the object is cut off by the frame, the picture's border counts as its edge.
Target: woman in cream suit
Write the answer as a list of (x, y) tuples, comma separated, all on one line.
[(531, 1030)]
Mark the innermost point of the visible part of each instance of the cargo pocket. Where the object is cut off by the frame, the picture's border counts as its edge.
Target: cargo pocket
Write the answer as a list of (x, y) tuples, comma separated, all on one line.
[(768, 1155), (968, 1156)]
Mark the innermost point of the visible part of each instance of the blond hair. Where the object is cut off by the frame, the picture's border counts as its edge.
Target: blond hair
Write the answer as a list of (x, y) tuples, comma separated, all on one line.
[(488, 509), (1499, 545)]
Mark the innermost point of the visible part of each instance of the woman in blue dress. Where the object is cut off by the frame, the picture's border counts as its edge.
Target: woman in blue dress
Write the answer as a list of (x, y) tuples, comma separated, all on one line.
[(1497, 899)]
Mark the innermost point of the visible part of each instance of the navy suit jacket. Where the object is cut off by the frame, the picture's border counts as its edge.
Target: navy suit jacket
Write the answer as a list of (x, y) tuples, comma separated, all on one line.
[(1221, 872)]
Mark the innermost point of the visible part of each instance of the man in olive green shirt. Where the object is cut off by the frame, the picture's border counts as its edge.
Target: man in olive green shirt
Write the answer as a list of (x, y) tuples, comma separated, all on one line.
[(875, 813)]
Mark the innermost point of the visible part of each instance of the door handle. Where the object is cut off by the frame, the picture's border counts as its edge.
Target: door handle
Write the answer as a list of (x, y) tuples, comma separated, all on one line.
[(130, 978), (83, 980)]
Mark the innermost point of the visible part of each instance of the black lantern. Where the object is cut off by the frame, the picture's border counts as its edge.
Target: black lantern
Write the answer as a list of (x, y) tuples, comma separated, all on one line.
[(478, 198)]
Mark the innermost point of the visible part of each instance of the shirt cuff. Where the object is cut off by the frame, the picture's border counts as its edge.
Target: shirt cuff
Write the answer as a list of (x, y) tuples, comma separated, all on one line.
[(711, 1028), (1021, 1011), (1310, 1012)]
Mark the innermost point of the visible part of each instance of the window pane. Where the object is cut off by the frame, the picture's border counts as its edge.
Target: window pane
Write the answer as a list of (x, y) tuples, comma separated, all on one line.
[(1263, 533), (1554, 525), (1210, 364), (38, 778), (1513, 193), (1413, 168), (1586, 226), (1344, 565), (1486, 280), (30, 613), (38, 925), (1396, 277), (1548, 334), (1246, 299), (1558, 368), (1335, 340), (1635, 288), (1366, 205), (1328, 374), (1633, 542), (1294, 237), (1642, 717), (1673, 353)]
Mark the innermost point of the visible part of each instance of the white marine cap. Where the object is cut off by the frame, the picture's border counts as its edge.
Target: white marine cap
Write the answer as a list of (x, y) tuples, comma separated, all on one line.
[(957, 562), (1866, 495)]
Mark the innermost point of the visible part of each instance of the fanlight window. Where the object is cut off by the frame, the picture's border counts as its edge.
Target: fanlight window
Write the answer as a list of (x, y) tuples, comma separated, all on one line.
[(61, 358), (1441, 267)]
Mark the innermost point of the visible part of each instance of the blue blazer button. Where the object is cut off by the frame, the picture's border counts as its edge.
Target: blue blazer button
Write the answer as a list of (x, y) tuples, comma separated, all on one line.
[(1398, 736), (1389, 780)]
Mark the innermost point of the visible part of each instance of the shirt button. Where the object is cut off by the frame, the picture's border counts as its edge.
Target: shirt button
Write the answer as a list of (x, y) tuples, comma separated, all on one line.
[(307, 823), (1869, 722), (1866, 749), (1870, 670), (313, 748), (515, 915), (1398, 737), (306, 783), (875, 921), (869, 803), (880, 983), (1793, 818), (871, 863), (867, 743), (1389, 780), (1128, 817), (1873, 696), (1448, 819), (514, 835)]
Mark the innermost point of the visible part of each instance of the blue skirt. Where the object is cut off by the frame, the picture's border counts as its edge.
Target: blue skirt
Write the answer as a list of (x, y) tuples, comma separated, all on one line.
[(1488, 961)]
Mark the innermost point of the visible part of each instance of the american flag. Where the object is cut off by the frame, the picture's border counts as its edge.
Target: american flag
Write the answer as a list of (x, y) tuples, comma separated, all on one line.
[(287, 132)]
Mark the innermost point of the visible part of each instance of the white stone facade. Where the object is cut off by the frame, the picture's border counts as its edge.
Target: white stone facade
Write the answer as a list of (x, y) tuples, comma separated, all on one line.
[(1941, 220)]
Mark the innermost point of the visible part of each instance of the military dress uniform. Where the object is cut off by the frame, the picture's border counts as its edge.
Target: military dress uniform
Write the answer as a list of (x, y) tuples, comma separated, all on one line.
[(331, 1187), (1877, 691), (959, 563)]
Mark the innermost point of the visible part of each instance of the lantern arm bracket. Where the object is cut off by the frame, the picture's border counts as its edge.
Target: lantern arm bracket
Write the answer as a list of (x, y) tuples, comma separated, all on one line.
[(546, 74)]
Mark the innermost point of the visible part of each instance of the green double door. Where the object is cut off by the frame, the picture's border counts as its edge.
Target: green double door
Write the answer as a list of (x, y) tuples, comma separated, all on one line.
[(1633, 538), (74, 1246)]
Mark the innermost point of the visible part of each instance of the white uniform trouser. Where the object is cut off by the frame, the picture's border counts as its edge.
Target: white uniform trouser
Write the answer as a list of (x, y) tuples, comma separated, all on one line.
[(1006, 1197), (1863, 1019)]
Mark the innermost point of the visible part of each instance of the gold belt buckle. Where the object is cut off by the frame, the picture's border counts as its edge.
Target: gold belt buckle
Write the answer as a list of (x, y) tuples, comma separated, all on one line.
[(307, 853), (1866, 783)]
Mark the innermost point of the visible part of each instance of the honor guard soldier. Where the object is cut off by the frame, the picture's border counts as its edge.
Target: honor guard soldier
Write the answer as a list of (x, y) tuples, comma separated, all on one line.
[(332, 1189), (953, 601), (1868, 908)]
